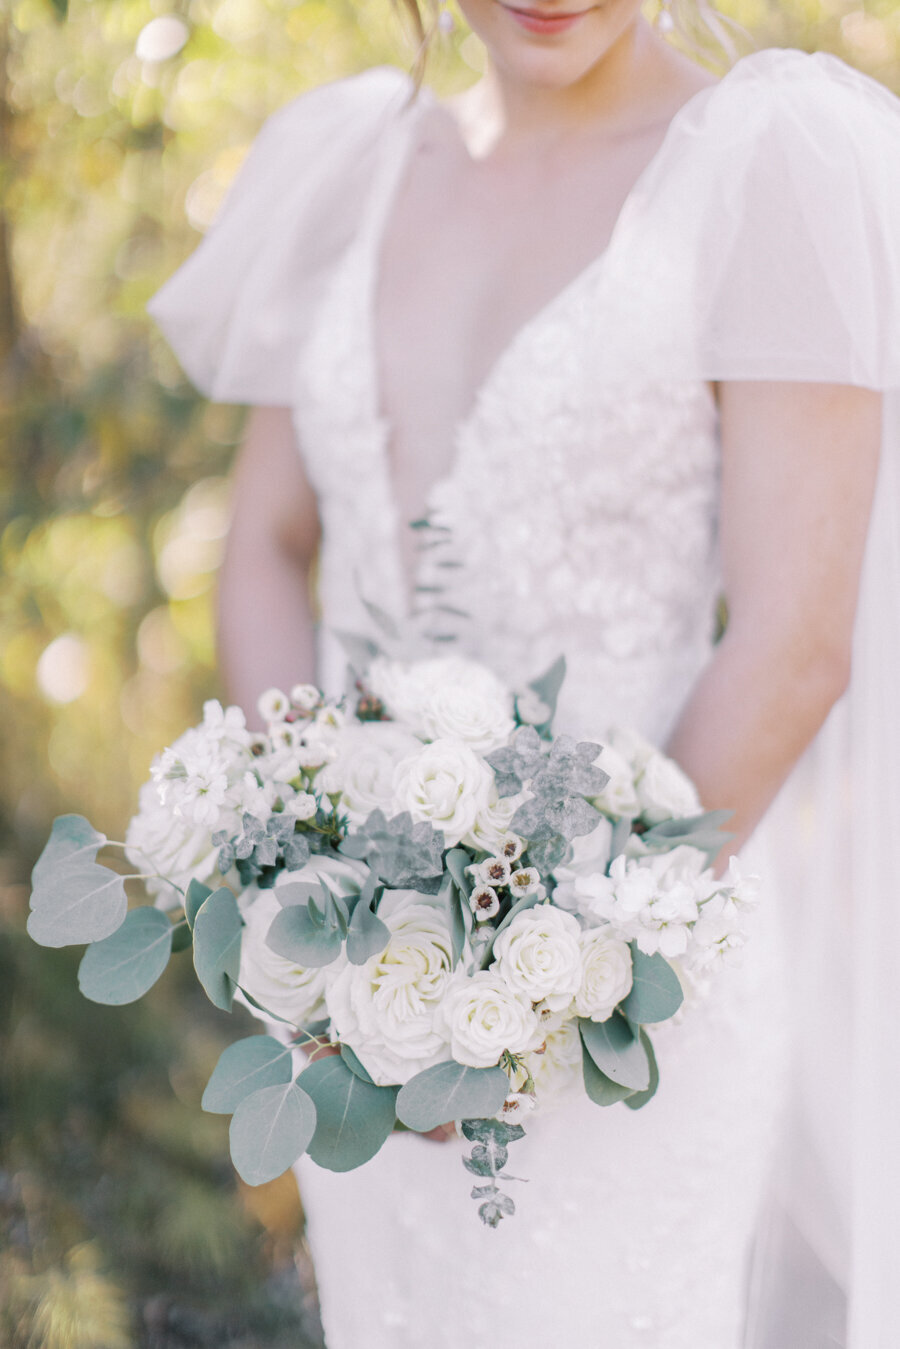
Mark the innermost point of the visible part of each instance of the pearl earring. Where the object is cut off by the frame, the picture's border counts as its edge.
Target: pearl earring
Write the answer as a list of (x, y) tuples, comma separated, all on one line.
[(664, 19)]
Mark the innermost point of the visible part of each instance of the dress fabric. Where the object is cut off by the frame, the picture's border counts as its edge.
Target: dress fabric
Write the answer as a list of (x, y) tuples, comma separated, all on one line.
[(579, 515)]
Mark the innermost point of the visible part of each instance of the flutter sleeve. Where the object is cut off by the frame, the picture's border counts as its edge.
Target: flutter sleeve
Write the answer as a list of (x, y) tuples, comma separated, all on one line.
[(237, 311)]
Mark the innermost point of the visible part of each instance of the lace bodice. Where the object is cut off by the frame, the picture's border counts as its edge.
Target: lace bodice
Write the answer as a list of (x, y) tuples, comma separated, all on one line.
[(554, 531)]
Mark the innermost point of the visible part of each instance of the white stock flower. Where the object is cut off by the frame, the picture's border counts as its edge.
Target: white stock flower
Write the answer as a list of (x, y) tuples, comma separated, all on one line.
[(444, 783), (483, 1016), (159, 840), (192, 777), (665, 792), (606, 973), (539, 955), (273, 705), (280, 986), (225, 724), (363, 772), (655, 899), (618, 797), (388, 1010), (590, 856), (445, 698)]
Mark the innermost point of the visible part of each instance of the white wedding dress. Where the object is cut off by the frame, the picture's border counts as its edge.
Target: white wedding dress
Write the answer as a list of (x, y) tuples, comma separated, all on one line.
[(579, 516)]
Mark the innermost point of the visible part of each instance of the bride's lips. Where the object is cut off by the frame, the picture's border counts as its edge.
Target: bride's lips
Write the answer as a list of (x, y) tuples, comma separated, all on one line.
[(543, 21)]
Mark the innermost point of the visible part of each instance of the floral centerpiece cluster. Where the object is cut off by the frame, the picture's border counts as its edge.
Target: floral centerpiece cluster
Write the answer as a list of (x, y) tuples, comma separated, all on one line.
[(443, 911)]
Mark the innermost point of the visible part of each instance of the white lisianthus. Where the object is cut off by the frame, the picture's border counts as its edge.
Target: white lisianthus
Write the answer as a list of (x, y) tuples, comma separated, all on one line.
[(483, 1016), (606, 973), (305, 697), (279, 986), (655, 899), (273, 706), (159, 840), (590, 856), (539, 955), (363, 771), (445, 698), (665, 792), (444, 783), (618, 797), (388, 1010)]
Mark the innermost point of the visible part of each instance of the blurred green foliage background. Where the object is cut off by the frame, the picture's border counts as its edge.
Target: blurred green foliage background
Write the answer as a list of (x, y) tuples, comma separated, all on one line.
[(122, 123)]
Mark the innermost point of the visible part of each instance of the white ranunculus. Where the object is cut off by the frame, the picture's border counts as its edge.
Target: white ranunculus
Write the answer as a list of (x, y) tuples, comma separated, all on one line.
[(367, 755), (279, 986), (539, 955), (606, 974), (159, 840), (445, 783), (618, 797), (483, 1016), (388, 1010), (590, 856), (445, 698), (665, 792)]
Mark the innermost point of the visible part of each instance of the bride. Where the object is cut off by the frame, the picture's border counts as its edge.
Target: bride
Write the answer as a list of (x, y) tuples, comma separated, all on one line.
[(613, 333)]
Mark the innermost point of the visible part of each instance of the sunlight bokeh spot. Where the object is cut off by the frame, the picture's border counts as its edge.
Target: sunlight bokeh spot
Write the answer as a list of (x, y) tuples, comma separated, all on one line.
[(162, 38), (63, 671)]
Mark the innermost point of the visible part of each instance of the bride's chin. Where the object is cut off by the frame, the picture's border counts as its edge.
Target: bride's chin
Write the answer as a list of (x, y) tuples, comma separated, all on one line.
[(556, 60)]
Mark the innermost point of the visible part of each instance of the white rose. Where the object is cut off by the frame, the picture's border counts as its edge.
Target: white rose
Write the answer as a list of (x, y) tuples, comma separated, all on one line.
[(483, 1016), (665, 792), (490, 830), (478, 715), (388, 1010), (606, 974), (367, 755), (159, 840), (631, 745), (279, 986), (618, 797), (556, 1067), (444, 783), (539, 955), (590, 856)]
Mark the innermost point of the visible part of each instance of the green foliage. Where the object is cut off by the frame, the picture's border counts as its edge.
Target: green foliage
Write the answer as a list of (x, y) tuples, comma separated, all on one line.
[(244, 1067), (307, 934), (270, 1129), (450, 1091), (616, 1051), (125, 966), (354, 1117), (699, 831), (405, 856), (656, 992), (366, 935), (217, 946), (601, 1089), (491, 1138), (73, 899), (638, 1099)]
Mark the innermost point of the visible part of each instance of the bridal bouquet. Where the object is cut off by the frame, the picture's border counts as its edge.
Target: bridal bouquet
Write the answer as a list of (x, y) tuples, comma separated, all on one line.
[(443, 911)]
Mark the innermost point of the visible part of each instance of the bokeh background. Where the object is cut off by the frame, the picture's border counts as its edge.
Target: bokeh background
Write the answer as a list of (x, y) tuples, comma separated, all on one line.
[(122, 123)]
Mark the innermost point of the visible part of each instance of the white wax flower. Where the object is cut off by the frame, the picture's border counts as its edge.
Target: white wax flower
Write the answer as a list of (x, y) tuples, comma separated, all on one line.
[(483, 1016), (363, 771), (448, 697), (484, 903), (444, 783), (387, 1010), (606, 973), (279, 986), (665, 792), (524, 881), (539, 955), (159, 840), (273, 705), (494, 871)]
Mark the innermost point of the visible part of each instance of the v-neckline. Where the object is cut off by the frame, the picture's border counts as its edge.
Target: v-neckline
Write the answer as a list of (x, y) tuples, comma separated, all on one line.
[(370, 238)]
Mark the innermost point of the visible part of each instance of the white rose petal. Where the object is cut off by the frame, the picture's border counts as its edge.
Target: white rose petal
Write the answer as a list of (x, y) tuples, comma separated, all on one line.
[(606, 974), (483, 1016), (445, 784), (445, 698), (619, 797), (363, 771), (665, 792), (539, 955)]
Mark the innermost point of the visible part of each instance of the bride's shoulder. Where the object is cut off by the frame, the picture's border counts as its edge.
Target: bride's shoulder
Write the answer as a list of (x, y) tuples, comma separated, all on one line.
[(346, 107)]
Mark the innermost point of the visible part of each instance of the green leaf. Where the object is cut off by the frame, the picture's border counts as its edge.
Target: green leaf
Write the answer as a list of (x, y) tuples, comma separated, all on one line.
[(360, 652), (74, 899), (456, 861), (366, 936), (122, 967), (270, 1129), (548, 685), (615, 1051), (181, 937), (485, 1130), (382, 620), (450, 1091), (296, 935), (353, 1117), (355, 1066), (704, 832), (640, 1098), (621, 833), (656, 993), (600, 1088), (243, 1068), (217, 946), (197, 892)]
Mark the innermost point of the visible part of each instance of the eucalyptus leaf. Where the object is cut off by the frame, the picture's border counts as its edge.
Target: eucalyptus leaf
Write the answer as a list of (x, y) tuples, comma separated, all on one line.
[(516, 763), (615, 1051), (600, 1088), (74, 900), (270, 1129), (382, 620), (243, 1068), (456, 862), (621, 833), (181, 937), (197, 892), (548, 685), (404, 854), (354, 1064), (366, 935), (353, 1117), (217, 946), (450, 1091), (656, 992), (703, 832), (360, 651), (121, 968), (295, 935), (640, 1098), (299, 892)]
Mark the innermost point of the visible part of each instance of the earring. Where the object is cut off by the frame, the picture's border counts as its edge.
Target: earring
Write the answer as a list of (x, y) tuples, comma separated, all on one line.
[(665, 22), (445, 21)]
